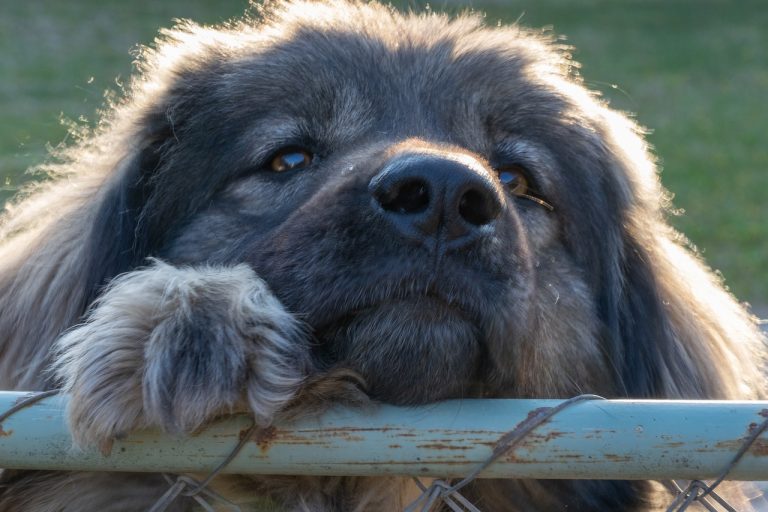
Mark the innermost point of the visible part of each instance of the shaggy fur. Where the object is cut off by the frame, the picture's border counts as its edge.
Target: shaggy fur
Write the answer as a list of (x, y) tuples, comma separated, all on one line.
[(168, 273)]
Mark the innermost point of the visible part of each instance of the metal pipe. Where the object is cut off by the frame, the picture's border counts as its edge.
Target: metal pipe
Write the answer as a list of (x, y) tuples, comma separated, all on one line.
[(612, 439)]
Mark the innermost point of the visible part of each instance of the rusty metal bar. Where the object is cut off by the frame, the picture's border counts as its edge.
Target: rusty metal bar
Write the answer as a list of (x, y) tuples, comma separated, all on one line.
[(616, 439)]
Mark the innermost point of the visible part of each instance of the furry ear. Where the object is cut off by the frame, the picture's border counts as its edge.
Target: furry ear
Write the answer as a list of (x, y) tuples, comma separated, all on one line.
[(642, 336), (63, 242), (118, 238), (682, 329), (111, 201), (670, 327)]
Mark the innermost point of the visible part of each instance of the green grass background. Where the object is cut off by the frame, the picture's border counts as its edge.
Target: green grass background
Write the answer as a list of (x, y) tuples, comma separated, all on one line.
[(695, 72)]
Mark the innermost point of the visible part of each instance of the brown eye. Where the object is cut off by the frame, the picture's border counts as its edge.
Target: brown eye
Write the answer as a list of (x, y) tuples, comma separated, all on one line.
[(513, 178), (290, 159)]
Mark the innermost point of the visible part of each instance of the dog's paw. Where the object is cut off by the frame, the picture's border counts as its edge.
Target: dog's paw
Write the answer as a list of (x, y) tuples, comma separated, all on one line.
[(174, 347)]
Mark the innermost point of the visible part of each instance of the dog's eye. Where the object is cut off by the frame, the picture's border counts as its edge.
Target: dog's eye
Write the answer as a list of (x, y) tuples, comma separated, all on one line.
[(513, 178), (290, 159)]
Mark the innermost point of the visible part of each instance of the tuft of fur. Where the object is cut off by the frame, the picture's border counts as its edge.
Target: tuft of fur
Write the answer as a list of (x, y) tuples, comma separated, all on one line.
[(165, 275), (174, 347)]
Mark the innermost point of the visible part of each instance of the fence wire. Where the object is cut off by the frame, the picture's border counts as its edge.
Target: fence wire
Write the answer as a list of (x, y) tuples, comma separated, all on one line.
[(440, 492)]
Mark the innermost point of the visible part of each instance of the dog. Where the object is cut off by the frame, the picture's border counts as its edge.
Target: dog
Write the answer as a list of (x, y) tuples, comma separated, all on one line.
[(403, 207)]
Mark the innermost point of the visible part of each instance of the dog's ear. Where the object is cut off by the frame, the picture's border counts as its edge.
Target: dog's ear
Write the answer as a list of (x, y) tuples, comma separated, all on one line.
[(670, 327), (681, 333), (112, 198), (68, 238), (639, 331), (118, 237)]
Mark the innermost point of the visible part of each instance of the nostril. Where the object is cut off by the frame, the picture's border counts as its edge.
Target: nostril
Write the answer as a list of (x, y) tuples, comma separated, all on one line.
[(411, 196), (435, 198), (477, 208)]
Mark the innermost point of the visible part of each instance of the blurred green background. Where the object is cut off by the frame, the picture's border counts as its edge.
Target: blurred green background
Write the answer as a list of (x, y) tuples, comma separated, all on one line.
[(693, 71)]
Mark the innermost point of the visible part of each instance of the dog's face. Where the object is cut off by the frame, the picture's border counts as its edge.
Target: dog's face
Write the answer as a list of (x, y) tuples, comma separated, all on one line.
[(444, 205), (439, 202)]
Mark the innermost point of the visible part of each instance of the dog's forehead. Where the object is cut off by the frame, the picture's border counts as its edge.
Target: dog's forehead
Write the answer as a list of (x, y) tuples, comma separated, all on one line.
[(458, 79)]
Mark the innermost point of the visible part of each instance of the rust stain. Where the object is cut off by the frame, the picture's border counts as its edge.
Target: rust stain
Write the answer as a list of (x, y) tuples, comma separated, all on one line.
[(553, 435), (513, 458), (597, 433), (535, 438), (270, 436), (304, 442), (263, 438), (447, 462), (288, 437), (5, 433), (344, 430), (443, 446), (448, 432), (613, 457), (349, 437), (527, 439), (345, 433), (759, 448)]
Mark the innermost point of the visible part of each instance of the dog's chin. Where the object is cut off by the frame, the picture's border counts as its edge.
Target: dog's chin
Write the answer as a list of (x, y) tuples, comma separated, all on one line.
[(409, 352)]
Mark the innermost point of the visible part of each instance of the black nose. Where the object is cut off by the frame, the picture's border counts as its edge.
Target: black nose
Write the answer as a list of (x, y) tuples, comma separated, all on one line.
[(431, 196)]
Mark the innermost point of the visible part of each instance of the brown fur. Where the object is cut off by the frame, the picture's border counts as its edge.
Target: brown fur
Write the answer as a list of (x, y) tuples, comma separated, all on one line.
[(165, 253)]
